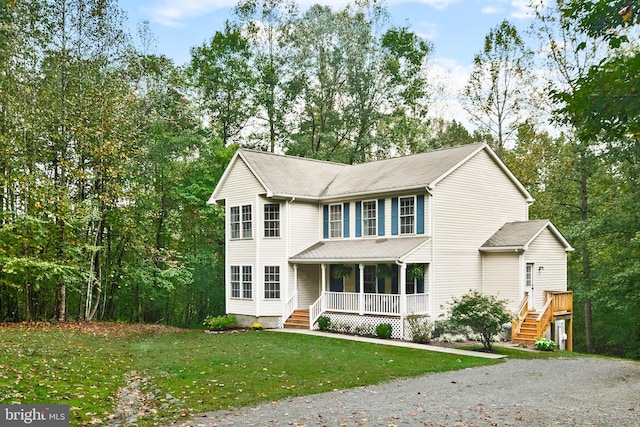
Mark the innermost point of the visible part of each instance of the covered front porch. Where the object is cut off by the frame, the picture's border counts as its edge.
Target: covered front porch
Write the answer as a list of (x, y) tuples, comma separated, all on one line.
[(364, 283)]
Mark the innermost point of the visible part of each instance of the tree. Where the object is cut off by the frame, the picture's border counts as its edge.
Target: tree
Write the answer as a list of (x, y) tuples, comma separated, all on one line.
[(222, 75), (485, 315), (498, 92), (359, 92)]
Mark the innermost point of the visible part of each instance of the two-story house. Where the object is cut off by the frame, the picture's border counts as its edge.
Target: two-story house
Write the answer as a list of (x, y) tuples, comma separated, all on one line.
[(375, 242)]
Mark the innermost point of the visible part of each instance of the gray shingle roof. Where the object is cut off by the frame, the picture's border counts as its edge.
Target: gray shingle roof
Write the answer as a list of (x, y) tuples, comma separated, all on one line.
[(360, 250), (519, 234), (295, 176)]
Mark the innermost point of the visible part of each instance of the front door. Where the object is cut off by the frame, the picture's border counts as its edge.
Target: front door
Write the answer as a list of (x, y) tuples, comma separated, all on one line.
[(529, 286)]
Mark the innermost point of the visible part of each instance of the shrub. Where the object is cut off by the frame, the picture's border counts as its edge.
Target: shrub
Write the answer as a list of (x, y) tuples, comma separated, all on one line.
[(421, 327), (485, 315), (323, 323), (383, 330), (545, 344), (256, 326), (220, 323)]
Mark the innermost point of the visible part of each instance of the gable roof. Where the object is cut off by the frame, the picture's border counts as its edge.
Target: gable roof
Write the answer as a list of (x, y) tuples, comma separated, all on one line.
[(360, 250), (289, 177), (518, 235)]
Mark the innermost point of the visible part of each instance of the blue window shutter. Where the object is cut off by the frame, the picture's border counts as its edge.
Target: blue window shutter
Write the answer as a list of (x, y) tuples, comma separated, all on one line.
[(357, 272), (381, 285), (345, 220), (421, 285), (358, 219), (420, 214), (325, 221), (380, 217), (394, 216)]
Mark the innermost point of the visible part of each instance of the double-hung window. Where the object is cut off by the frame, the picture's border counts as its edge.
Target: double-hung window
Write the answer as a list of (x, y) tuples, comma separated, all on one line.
[(241, 281), (246, 221), (246, 282), (407, 215), (271, 282), (369, 218), (370, 279), (272, 220), (240, 221), (335, 221), (235, 281)]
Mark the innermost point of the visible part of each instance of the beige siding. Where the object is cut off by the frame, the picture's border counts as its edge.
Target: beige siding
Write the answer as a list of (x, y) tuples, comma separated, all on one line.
[(550, 265), (470, 205), (502, 277), (309, 285)]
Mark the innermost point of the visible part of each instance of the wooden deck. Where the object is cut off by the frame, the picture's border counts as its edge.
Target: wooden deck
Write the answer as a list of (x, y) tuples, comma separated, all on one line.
[(533, 324)]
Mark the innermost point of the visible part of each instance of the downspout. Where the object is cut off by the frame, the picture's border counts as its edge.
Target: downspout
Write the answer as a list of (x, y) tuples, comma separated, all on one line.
[(257, 275), (431, 222), (288, 254)]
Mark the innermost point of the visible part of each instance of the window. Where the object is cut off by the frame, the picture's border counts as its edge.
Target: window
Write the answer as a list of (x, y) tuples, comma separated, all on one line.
[(272, 220), (369, 218), (246, 221), (246, 282), (237, 222), (235, 281), (271, 282), (234, 219), (335, 221), (529, 275), (370, 279), (407, 215)]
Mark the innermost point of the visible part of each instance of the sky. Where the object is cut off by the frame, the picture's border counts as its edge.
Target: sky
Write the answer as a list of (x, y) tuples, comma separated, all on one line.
[(456, 29)]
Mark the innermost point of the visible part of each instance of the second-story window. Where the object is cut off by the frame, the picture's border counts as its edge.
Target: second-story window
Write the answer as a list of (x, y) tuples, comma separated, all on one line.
[(369, 218), (246, 221), (272, 220), (335, 221), (240, 221), (407, 215)]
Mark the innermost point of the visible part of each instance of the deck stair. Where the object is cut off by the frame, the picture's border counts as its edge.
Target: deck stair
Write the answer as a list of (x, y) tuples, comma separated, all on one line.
[(528, 332), (298, 320)]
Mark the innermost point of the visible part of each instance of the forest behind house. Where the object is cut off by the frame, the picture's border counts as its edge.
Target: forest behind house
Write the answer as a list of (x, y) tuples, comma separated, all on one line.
[(109, 150)]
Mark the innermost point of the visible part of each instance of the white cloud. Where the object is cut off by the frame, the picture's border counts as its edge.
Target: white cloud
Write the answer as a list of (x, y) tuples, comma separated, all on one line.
[(522, 9), (438, 4), (173, 13), (449, 78), (490, 10)]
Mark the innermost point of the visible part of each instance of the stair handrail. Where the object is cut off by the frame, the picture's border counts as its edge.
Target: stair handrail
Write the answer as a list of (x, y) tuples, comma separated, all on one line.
[(289, 307), (521, 313), (544, 318)]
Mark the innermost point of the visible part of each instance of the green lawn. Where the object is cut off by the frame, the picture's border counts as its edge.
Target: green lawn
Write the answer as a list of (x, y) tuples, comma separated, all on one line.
[(191, 371)]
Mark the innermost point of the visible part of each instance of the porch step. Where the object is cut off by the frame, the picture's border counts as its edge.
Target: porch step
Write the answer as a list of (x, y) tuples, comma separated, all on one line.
[(298, 320), (529, 329)]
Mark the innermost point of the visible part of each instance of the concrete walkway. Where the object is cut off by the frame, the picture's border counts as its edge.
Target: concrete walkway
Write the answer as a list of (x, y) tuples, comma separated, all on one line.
[(397, 343)]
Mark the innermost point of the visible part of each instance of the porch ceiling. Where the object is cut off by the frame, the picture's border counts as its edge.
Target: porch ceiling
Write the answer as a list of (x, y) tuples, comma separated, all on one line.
[(360, 250)]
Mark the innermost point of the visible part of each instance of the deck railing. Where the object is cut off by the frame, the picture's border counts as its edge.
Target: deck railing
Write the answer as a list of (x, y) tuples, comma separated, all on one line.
[(289, 307), (418, 304)]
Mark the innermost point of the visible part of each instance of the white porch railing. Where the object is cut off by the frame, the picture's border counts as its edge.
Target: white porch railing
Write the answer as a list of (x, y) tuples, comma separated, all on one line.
[(418, 304), (365, 303), (289, 307)]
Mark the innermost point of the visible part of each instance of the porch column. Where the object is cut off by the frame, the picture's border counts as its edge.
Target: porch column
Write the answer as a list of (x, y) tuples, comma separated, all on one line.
[(295, 285), (361, 273), (403, 296), (323, 280)]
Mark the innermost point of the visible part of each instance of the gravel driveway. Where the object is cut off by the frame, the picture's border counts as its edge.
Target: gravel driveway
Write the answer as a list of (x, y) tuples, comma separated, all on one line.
[(576, 391)]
